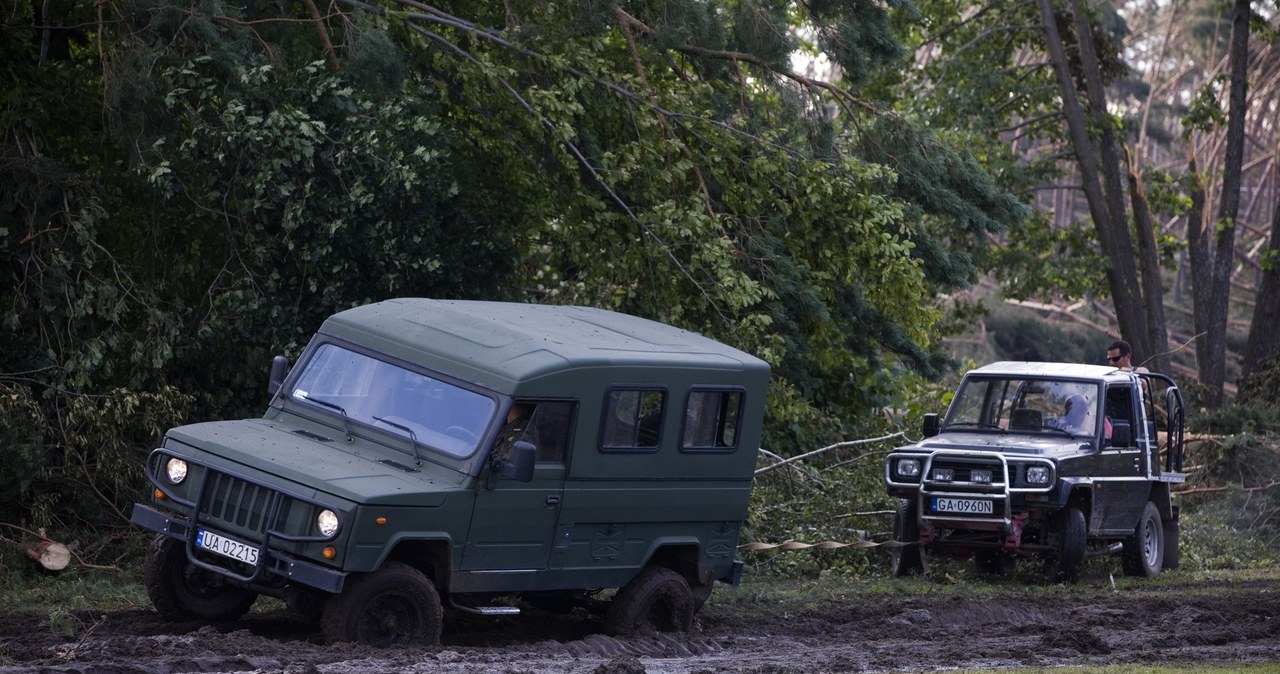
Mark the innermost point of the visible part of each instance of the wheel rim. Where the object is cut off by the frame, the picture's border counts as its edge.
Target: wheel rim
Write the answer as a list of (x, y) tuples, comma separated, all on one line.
[(391, 619), (1149, 543), (200, 584)]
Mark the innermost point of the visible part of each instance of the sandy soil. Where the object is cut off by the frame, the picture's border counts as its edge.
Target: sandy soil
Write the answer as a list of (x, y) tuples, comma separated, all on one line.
[(1001, 626)]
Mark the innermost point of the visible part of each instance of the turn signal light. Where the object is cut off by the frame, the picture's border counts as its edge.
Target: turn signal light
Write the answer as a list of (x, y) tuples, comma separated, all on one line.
[(330, 552), (158, 494), (380, 520)]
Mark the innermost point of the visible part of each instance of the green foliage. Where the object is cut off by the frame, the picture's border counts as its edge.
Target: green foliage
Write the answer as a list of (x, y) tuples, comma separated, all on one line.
[(1022, 335), (1242, 422), (1222, 534), (1044, 261), (208, 182), (93, 474), (1261, 389), (837, 495), (1205, 112), (23, 429)]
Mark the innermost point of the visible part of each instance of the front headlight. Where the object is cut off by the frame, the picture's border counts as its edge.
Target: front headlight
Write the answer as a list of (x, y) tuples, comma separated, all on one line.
[(1038, 475), (980, 476), (175, 470), (908, 468), (944, 474), (327, 522)]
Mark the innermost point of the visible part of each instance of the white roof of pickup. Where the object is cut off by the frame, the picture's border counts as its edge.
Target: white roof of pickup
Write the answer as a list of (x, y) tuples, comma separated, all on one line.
[(1036, 369)]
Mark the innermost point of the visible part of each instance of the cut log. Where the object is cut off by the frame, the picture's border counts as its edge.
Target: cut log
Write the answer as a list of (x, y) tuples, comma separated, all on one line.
[(52, 556)]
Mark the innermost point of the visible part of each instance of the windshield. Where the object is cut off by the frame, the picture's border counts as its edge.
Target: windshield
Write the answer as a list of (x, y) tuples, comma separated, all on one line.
[(1025, 405), (436, 414)]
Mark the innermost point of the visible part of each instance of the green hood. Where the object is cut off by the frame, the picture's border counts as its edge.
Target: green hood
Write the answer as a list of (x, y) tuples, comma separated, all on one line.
[(355, 472)]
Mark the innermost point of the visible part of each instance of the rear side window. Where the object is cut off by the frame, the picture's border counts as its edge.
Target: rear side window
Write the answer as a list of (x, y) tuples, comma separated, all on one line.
[(712, 420), (632, 419)]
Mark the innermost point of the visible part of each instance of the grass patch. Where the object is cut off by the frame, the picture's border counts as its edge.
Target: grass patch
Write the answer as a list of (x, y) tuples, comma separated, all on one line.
[(963, 582), (72, 590)]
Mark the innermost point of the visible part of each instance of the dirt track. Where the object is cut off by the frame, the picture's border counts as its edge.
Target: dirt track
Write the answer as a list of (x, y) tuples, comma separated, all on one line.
[(1003, 625)]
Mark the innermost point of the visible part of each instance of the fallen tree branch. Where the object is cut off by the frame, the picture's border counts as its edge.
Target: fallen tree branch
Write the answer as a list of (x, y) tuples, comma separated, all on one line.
[(838, 445)]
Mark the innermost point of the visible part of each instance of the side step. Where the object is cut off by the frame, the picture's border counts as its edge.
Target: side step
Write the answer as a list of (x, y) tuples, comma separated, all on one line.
[(485, 610)]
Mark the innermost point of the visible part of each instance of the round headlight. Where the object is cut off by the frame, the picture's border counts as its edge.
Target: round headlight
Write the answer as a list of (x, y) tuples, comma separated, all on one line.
[(175, 470), (908, 467), (327, 522)]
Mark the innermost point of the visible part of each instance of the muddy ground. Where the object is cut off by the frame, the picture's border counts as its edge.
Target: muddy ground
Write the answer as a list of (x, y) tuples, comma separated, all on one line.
[(884, 630)]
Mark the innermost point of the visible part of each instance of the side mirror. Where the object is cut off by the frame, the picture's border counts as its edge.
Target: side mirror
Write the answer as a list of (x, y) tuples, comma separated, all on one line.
[(930, 425), (518, 466), (1121, 434), (279, 368)]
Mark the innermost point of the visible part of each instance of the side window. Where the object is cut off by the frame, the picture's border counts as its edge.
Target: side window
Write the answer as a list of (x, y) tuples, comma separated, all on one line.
[(632, 419), (711, 421), (549, 430), (544, 424)]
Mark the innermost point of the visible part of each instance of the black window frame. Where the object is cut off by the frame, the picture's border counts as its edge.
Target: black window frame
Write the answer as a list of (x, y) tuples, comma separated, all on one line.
[(608, 415), (737, 429)]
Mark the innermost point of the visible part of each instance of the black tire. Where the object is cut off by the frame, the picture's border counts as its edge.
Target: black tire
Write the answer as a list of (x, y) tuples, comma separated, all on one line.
[(1067, 532), (701, 593), (304, 605), (904, 558), (657, 598), (1143, 553), (182, 591), (393, 606), (1172, 531), (995, 562)]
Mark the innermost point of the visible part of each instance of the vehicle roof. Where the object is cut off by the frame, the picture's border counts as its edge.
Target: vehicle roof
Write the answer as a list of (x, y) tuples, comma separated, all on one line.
[(1039, 369), (500, 343)]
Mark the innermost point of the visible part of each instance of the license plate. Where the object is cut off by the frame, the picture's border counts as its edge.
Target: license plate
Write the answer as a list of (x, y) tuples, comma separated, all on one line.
[(966, 506), (227, 547)]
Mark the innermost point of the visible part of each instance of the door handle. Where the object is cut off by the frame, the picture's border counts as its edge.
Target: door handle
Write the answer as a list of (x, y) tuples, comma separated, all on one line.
[(553, 500)]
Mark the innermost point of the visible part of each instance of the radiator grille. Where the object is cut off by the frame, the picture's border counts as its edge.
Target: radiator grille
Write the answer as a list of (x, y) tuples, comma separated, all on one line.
[(242, 505)]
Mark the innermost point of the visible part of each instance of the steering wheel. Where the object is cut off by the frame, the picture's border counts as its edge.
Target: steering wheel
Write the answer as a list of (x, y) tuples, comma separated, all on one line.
[(462, 433)]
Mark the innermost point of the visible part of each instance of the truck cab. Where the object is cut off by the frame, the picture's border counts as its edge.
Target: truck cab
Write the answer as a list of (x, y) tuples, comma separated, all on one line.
[(428, 455), (1048, 461)]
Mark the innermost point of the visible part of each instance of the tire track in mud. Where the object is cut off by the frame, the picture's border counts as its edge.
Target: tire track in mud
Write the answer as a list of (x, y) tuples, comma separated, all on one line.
[(869, 633)]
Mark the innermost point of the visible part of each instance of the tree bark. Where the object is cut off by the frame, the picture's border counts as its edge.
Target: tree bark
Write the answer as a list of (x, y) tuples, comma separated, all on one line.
[(1198, 260), (1158, 358), (1264, 330), (1106, 207), (1212, 351)]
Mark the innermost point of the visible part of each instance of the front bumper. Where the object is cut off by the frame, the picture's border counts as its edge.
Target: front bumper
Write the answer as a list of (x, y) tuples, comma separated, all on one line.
[(961, 502), (271, 563)]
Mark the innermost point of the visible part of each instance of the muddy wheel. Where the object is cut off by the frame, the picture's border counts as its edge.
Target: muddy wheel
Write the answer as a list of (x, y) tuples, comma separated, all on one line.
[(657, 598), (905, 560), (995, 562), (183, 591), (701, 593), (1067, 535), (304, 605), (1144, 551), (1172, 532), (393, 606)]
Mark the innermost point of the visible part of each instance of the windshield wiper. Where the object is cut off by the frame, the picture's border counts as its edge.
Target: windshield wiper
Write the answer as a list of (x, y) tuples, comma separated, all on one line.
[(413, 437), (346, 423)]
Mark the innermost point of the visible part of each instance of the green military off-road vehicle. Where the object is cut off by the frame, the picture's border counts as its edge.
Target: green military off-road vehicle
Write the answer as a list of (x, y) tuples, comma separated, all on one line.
[(1047, 461), (424, 455)]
